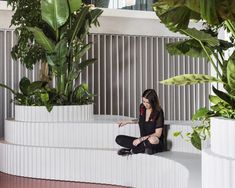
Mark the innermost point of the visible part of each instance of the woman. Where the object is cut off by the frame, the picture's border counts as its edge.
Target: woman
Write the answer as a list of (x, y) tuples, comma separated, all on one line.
[(151, 124)]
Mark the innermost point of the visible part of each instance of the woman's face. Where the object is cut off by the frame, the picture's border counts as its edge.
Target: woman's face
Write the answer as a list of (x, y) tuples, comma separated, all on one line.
[(146, 103)]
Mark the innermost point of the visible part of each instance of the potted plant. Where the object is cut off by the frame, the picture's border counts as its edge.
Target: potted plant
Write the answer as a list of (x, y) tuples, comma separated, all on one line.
[(205, 43), (53, 33)]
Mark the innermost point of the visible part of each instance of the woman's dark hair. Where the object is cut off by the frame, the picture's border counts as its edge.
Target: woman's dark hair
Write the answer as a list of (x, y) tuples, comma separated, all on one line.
[(151, 95)]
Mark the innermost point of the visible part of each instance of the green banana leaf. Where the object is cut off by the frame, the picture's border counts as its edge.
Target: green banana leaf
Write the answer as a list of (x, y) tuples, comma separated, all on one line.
[(61, 52), (85, 63), (176, 14), (201, 36), (94, 14), (231, 74), (83, 51), (189, 79), (209, 12), (188, 47), (79, 23), (55, 12), (175, 18), (41, 39), (74, 5), (224, 96), (57, 59), (193, 48), (214, 12)]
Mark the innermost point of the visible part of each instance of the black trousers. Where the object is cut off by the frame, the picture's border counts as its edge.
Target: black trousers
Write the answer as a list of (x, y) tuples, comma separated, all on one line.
[(143, 147)]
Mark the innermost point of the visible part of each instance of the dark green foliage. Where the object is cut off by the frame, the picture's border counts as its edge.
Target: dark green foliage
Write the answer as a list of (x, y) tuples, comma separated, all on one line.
[(215, 15), (53, 32), (27, 14)]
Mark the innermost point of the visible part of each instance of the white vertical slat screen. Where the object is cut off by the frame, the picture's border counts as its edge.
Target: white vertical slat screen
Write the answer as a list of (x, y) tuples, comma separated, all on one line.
[(135, 63), (126, 66)]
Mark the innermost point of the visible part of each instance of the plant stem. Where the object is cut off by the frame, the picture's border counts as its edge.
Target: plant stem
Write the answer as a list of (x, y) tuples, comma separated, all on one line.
[(61, 84), (6, 87), (69, 42), (208, 55), (217, 58), (210, 59)]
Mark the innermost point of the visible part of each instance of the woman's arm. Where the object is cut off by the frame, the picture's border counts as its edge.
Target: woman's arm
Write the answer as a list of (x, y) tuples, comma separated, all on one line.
[(125, 122), (158, 133)]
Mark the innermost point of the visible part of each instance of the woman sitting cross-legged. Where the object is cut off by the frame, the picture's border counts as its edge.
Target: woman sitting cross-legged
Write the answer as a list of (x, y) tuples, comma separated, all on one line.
[(151, 124)]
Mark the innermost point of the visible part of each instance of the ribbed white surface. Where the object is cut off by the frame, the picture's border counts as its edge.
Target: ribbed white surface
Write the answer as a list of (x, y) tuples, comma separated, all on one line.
[(217, 171), (223, 136), (95, 166), (97, 133), (72, 113)]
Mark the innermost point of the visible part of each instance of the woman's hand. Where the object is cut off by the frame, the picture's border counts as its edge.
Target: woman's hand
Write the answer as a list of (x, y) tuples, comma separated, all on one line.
[(136, 142), (153, 140), (122, 123)]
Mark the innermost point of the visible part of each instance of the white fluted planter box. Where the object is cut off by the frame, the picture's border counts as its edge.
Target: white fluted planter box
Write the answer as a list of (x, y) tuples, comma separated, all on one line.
[(94, 166), (97, 133), (70, 113), (85, 151), (102, 131), (223, 136), (217, 171), (218, 162)]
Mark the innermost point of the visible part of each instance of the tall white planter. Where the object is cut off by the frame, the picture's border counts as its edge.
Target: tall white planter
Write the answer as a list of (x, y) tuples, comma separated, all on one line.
[(223, 137), (69, 113), (218, 162)]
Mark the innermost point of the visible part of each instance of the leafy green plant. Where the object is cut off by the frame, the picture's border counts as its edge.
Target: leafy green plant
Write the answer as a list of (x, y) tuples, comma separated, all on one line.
[(53, 33), (81, 95), (36, 93), (204, 42), (27, 13)]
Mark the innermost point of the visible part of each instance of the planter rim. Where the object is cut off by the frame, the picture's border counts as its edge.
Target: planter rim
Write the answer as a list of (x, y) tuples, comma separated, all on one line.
[(66, 113), (222, 118), (55, 105)]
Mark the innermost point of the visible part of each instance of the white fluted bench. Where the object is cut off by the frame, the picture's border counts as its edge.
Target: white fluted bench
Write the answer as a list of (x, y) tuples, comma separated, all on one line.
[(86, 152)]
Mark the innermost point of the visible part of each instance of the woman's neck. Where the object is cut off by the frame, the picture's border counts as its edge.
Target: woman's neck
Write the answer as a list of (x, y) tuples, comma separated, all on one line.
[(149, 109)]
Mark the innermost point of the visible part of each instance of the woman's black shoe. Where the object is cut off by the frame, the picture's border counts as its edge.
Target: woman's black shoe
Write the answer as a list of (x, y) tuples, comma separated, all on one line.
[(124, 152)]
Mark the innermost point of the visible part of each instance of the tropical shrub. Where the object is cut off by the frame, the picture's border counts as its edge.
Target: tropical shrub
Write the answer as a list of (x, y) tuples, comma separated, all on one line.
[(214, 16), (53, 33)]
